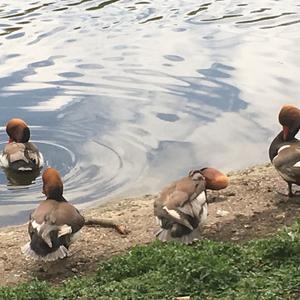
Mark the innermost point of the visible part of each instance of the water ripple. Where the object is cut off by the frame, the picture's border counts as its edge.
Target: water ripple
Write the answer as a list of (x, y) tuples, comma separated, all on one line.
[(90, 169), (125, 96)]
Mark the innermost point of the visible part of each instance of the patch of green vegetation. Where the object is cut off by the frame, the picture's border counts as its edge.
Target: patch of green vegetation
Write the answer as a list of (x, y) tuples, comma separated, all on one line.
[(261, 269)]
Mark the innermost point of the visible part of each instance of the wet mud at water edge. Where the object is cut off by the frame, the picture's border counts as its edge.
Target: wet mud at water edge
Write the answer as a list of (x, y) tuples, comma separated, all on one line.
[(123, 97)]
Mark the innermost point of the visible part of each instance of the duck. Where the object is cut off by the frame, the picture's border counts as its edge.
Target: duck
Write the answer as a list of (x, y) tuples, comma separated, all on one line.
[(54, 224), (181, 208), (284, 151), (19, 154)]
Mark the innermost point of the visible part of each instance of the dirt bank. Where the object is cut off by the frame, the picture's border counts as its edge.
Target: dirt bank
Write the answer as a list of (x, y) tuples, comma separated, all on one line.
[(250, 207)]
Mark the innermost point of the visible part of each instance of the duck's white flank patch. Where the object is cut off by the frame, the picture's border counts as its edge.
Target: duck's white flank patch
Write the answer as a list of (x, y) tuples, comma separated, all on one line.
[(297, 164), (172, 213), (64, 229), (283, 147), (41, 164), (158, 221), (75, 236), (204, 214), (202, 197), (4, 161), (36, 225), (280, 149)]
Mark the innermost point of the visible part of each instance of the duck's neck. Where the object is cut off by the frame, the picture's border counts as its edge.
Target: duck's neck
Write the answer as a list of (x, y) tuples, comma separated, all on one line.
[(57, 198)]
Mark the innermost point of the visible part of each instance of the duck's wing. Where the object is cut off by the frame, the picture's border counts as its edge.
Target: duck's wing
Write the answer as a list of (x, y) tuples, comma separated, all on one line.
[(67, 214), (287, 162), (33, 154), (181, 203), (22, 156), (14, 152), (180, 214), (169, 215), (58, 213)]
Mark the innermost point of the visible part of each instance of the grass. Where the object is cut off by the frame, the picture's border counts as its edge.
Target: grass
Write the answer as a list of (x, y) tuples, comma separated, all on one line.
[(261, 269)]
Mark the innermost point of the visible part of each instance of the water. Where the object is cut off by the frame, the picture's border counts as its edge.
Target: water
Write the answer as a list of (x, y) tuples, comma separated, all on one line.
[(124, 96)]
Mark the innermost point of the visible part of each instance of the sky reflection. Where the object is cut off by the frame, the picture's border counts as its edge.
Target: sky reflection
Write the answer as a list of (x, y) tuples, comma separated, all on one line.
[(127, 96)]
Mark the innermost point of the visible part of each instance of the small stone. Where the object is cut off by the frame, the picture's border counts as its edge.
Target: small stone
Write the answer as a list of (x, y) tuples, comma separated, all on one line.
[(74, 270), (280, 216), (222, 213)]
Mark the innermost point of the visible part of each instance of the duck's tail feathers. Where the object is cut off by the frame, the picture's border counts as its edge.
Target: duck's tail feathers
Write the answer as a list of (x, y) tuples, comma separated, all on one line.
[(164, 235), (61, 253)]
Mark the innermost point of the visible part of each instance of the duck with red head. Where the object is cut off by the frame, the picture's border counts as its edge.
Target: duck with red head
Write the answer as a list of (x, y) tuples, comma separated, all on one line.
[(54, 224), (181, 207), (19, 154), (284, 151)]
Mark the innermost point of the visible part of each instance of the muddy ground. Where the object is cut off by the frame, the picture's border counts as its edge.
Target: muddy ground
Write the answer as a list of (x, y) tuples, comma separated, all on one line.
[(251, 207)]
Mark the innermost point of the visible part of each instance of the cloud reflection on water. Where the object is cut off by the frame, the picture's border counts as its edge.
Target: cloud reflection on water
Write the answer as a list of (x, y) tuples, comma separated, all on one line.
[(140, 103)]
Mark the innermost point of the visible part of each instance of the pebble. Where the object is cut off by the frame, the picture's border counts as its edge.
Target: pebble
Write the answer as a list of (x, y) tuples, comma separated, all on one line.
[(280, 216), (222, 213)]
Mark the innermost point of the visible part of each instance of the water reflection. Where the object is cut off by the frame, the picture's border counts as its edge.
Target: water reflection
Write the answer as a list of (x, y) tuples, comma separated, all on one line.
[(124, 96), (24, 179)]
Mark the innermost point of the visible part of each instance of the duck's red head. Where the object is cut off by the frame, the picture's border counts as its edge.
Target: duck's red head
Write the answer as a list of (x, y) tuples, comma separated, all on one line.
[(52, 184), (17, 131), (289, 118), (214, 179)]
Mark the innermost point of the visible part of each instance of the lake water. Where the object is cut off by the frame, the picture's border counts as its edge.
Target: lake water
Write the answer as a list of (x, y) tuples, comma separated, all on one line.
[(124, 96)]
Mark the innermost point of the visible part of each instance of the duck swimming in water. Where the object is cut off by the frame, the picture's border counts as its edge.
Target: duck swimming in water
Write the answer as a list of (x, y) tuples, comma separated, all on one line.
[(181, 207), (284, 151), (20, 154), (54, 223)]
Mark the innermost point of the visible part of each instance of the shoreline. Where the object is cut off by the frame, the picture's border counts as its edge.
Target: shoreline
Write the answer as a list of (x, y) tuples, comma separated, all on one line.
[(249, 208)]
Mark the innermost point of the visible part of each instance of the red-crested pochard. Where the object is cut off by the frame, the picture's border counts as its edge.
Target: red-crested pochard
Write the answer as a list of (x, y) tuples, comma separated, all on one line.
[(284, 151), (20, 154), (54, 223), (181, 207)]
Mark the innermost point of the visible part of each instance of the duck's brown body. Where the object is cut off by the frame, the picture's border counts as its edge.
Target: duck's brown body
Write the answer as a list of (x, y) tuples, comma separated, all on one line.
[(181, 208), (54, 222), (284, 151)]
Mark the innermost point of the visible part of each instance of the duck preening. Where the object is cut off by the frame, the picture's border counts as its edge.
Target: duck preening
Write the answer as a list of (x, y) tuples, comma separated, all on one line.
[(284, 151), (54, 223), (19, 154), (181, 207)]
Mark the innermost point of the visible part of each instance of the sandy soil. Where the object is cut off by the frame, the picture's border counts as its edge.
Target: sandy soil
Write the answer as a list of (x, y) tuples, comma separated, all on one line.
[(250, 207)]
